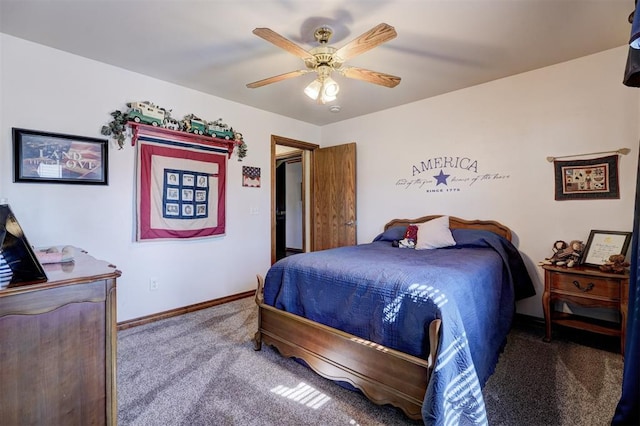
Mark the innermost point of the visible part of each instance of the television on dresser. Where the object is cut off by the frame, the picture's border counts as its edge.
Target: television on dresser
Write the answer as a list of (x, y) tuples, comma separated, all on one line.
[(18, 262)]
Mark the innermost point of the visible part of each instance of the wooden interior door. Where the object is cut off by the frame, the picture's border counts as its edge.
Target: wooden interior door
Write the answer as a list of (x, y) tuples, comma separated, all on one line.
[(334, 197)]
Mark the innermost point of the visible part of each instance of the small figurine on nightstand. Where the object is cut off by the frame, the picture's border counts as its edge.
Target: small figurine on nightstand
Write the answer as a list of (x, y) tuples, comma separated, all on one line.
[(616, 264), (565, 254), (559, 247), (574, 250)]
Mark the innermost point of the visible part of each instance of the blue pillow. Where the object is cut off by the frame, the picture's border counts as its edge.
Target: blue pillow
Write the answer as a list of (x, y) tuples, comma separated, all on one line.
[(472, 237), (394, 233)]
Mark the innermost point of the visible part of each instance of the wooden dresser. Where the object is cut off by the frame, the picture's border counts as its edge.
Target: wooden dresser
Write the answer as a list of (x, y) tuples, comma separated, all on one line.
[(590, 288), (58, 347)]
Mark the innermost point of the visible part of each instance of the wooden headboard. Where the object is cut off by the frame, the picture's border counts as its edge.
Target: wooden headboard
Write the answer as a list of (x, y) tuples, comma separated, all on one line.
[(457, 223)]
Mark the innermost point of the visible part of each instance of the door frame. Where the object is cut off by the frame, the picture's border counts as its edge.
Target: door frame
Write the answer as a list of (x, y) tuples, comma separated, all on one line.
[(304, 146)]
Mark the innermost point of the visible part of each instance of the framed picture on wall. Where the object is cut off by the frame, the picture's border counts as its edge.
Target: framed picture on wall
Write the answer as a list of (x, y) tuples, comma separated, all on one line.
[(602, 244), (251, 176), (587, 179), (57, 158)]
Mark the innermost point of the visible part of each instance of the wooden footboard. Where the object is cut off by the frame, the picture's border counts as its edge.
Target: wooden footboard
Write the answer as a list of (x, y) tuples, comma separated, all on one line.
[(384, 375)]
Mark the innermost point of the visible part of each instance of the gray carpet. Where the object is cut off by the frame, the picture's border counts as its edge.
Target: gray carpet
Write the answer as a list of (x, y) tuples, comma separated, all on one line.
[(201, 369)]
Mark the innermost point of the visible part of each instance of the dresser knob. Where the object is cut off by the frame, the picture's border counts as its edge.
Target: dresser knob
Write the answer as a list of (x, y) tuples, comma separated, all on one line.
[(589, 287)]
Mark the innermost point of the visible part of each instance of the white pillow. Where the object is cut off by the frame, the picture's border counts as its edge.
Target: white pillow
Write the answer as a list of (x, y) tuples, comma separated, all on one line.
[(434, 234)]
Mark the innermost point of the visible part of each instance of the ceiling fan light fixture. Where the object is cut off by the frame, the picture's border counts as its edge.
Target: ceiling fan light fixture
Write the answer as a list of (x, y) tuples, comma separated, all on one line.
[(330, 88), (327, 96), (324, 98), (313, 89), (322, 90)]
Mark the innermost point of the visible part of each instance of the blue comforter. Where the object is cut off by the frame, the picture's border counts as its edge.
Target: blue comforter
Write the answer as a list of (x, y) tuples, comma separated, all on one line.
[(389, 295)]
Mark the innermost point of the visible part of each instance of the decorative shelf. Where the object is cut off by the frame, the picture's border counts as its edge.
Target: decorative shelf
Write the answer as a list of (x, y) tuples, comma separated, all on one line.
[(148, 130)]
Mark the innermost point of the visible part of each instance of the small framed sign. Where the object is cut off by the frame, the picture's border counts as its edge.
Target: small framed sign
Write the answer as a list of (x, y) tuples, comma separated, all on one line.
[(602, 244), (57, 158), (251, 176)]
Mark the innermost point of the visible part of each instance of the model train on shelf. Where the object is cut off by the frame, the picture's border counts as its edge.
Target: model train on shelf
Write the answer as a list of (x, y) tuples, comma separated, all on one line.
[(147, 113)]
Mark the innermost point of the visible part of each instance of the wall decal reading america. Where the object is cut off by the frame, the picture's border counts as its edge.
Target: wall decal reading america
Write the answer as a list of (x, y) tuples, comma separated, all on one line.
[(447, 174), (446, 163)]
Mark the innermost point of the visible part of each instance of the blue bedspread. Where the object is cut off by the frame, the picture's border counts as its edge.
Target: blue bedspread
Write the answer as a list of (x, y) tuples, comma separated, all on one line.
[(389, 295)]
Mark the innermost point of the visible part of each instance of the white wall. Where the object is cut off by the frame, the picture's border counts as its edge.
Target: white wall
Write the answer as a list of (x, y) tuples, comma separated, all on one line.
[(49, 90), (508, 127)]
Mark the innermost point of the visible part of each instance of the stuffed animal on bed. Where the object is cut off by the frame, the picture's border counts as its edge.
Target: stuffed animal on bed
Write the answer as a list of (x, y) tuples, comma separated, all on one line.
[(406, 243), (409, 238)]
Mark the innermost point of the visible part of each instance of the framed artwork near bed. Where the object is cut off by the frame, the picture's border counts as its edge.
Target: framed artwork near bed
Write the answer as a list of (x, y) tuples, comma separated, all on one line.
[(603, 244), (587, 179), (43, 157)]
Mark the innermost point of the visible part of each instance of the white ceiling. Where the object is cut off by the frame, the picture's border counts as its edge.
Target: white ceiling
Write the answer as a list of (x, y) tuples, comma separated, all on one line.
[(441, 46)]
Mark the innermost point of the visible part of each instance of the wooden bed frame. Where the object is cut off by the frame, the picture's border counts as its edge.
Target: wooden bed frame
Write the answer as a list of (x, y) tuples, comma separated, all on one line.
[(384, 375)]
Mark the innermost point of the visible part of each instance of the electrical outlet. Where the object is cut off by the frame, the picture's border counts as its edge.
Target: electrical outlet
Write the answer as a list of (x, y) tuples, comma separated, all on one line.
[(153, 284)]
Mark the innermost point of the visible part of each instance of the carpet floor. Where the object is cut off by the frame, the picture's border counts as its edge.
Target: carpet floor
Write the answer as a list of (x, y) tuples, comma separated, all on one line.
[(200, 369)]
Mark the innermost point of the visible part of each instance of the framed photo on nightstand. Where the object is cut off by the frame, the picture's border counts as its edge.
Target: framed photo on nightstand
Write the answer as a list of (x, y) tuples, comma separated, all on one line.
[(603, 244)]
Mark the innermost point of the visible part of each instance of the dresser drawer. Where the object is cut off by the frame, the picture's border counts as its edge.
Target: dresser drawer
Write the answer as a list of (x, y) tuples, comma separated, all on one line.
[(586, 286)]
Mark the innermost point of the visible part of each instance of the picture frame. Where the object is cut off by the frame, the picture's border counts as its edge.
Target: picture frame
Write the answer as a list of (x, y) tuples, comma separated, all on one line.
[(603, 244), (19, 262), (251, 176), (595, 178), (44, 157)]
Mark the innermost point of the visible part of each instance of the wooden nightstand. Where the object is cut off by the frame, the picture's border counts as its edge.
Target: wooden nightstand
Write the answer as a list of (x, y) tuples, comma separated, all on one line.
[(587, 287)]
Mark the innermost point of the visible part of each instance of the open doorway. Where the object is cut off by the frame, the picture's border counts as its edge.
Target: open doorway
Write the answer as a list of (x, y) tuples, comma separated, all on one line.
[(290, 204), (291, 196)]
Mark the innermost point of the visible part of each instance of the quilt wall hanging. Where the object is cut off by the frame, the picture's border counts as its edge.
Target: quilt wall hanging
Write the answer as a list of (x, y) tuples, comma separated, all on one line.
[(587, 179), (181, 187)]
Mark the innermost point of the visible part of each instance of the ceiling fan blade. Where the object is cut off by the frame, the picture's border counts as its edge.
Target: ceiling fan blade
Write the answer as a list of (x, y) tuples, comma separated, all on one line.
[(277, 78), (283, 43), (369, 76), (367, 41)]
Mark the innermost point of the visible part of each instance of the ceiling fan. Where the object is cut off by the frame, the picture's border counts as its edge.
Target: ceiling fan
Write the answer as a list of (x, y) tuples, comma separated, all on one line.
[(325, 59)]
